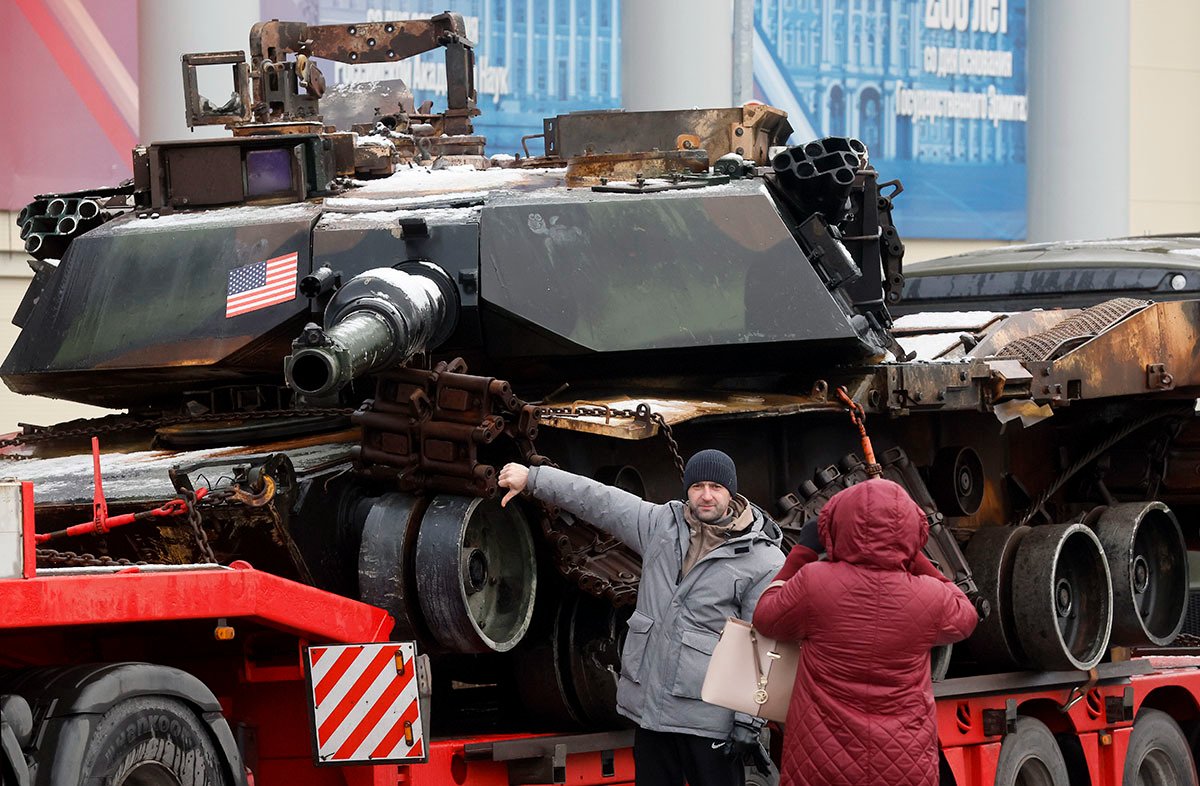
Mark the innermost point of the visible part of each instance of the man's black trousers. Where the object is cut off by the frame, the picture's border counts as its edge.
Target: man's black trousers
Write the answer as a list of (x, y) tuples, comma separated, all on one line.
[(669, 759)]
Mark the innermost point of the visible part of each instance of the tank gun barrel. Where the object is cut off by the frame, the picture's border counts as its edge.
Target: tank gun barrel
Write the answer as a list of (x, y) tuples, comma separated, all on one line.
[(378, 319)]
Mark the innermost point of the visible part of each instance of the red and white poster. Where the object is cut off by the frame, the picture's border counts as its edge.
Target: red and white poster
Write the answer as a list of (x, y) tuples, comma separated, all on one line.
[(70, 109)]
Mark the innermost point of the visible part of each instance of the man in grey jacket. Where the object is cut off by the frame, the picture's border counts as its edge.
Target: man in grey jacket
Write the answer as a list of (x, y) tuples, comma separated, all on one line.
[(703, 560)]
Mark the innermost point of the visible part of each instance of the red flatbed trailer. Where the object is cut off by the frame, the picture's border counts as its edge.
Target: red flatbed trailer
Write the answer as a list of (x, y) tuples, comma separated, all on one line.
[(229, 644), (993, 729)]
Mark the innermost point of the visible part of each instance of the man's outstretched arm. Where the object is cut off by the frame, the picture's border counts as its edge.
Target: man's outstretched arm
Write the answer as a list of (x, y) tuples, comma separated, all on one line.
[(623, 515)]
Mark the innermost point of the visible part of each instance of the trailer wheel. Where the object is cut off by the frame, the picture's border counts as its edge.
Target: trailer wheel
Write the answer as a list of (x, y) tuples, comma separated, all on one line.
[(151, 741), (1159, 754), (1030, 756)]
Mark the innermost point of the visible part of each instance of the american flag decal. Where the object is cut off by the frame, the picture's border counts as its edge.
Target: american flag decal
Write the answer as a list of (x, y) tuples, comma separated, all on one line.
[(262, 284), (365, 703)]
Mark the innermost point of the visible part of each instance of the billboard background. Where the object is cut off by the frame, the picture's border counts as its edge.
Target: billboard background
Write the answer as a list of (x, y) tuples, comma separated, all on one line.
[(892, 72), (935, 88), (70, 118)]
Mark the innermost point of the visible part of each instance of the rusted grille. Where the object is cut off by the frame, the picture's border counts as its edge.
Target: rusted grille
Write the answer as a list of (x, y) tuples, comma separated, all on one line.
[(1072, 331)]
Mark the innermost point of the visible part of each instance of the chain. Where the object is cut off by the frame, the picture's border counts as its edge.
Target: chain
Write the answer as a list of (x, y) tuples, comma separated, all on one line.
[(118, 423), (191, 505), (70, 559), (672, 445), (642, 413), (193, 519)]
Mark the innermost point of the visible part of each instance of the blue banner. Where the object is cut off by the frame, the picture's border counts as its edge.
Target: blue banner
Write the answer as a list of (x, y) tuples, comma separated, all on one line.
[(935, 88), (534, 59)]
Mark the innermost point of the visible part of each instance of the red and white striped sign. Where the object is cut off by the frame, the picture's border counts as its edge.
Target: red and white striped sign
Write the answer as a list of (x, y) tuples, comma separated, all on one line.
[(365, 703)]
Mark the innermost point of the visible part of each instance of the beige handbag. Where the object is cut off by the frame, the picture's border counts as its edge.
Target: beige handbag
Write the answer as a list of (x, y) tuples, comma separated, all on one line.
[(750, 673)]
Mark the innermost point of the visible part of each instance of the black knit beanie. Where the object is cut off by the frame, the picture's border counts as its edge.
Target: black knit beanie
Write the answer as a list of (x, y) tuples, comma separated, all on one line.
[(713, 466)]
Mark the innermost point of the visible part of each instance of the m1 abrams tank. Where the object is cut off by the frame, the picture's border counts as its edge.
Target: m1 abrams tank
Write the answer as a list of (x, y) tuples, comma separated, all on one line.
[(327, 343)]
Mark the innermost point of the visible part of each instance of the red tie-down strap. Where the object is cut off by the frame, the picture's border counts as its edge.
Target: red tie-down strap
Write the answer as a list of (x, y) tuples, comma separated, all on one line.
[(858, 417), (101, 522)]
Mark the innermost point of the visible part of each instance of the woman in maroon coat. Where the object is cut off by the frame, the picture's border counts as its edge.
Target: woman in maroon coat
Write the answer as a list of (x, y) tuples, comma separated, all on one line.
[(862, 711)]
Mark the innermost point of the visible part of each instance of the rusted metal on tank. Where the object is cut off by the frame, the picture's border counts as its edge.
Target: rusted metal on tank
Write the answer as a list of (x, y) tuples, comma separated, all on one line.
[(375, 42), (1072, 331), (283, 128), (424, 428), (1138, 354), (748, 131), (904, 387), (141, 475), (376, 160), (276, 78), (600, 564), (272, 40), (588, 170), (611, 420), (1017, 326), (1118, 362), (235, 112)]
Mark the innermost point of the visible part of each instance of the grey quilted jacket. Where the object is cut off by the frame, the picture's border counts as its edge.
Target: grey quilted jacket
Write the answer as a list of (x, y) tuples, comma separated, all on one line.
[(678, 618)]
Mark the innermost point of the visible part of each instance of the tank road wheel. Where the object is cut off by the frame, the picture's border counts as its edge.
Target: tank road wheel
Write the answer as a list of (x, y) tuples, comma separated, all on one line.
[(593, 655), (539, 666), (1147, 557), (1062, 597), (151, 741), (477, 573), (991, 553), (956, 481), (1158, 754), (570, 676), (1030, 756), (386, 576)]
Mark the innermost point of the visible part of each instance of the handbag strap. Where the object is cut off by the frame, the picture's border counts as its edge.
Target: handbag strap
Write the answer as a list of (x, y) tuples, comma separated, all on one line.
[(758, 672), (757, 662)]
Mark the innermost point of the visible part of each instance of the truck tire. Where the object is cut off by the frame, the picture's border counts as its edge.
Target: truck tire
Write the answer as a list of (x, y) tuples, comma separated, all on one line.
[(1158, 754), (1030, 756), (151, 741)]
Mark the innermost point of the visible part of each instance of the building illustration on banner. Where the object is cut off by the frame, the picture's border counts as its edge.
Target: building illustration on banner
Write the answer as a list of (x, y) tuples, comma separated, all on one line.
[(534, 59), (934, 88)]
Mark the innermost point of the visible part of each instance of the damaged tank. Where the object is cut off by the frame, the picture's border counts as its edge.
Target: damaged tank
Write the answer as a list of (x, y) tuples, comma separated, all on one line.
[(326, 342)]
